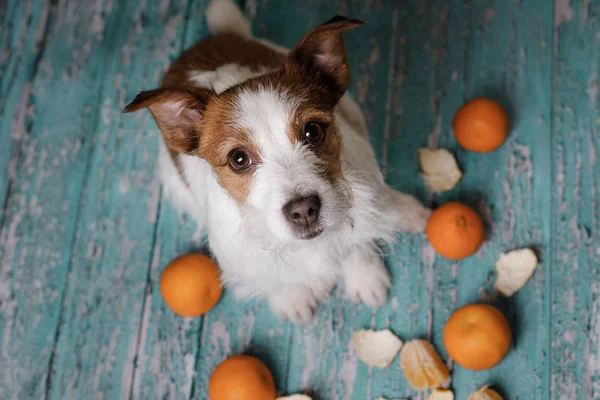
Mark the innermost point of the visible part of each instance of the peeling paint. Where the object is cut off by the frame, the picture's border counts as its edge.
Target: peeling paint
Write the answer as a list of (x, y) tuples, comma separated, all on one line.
[(347, 373), (560, 178), (562, 12), (220, 342), (585, 7), (390, 88), (592, 155), (592, 90), (434, 136), (509, 212), (593, 343), (428, 259), (245, 329)]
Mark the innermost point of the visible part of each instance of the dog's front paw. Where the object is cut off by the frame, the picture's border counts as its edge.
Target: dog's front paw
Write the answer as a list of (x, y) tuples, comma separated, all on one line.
[(366, 279), (296, 304)]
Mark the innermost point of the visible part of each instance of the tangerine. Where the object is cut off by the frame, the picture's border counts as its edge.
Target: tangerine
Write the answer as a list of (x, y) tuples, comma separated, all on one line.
[(455, 230), (477, 336), (480, 125), (191, 285), (241, 378)]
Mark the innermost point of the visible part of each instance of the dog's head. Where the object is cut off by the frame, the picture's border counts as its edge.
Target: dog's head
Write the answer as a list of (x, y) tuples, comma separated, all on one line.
[(272, 141)]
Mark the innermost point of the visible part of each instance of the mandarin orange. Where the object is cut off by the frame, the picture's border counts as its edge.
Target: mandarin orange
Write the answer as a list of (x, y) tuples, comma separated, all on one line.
[(455, 230), (480, 125), (191, 285), (241, 378), (477, 336)]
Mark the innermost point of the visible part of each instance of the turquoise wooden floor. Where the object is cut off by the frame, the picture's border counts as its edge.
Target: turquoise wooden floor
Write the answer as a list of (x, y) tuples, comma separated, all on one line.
[(85, 230)]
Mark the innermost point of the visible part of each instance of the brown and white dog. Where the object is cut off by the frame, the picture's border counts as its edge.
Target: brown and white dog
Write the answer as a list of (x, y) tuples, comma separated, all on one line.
[(271, 156)]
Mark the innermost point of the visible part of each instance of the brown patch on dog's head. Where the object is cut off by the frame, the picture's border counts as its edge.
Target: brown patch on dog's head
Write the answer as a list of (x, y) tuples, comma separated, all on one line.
[(329, 149), (317, 72), (223, 137), (199, 122)]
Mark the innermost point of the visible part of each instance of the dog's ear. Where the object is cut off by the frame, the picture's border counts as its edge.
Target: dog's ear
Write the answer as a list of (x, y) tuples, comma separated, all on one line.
[(321, 54), (178, 114)]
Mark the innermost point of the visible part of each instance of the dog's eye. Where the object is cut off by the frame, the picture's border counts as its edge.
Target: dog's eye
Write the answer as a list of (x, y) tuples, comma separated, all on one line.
[(239, 160), (313, 133)]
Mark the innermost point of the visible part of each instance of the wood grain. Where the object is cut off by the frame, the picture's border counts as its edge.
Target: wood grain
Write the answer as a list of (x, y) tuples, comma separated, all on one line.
[(85, 230), (22, 41), (52, 147), (510, 59), (117, 246), (575, 253)]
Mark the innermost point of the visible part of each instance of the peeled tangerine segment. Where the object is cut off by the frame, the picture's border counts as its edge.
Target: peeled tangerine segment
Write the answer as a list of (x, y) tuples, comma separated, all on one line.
[(295, 397), (514, 269), (422, 365), (376, 348), (440, 170), (485, 393), (441, 394)]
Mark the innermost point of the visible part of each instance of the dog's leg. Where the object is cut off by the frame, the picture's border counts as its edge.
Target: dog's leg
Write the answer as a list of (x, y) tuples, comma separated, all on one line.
[(409, 214), (365, 278)]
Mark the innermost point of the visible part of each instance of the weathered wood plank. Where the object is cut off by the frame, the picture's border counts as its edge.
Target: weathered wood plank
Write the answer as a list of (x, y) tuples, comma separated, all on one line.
[(168, 345), (430, 48), (575, 255), (165, 363), (105, 302), (41, 211), (22, 41), (509, 59)]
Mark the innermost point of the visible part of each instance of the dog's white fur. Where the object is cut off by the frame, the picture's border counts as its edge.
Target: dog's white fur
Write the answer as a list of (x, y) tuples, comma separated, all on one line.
[(253, 244)]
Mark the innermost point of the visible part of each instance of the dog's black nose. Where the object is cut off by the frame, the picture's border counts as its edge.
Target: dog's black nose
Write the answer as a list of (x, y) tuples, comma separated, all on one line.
[(304, 211)]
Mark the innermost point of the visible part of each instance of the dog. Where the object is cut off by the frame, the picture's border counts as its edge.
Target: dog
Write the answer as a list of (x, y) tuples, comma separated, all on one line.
[(264, 148)]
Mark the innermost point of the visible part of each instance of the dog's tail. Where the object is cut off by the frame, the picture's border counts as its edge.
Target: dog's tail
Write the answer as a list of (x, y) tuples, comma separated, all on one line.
[(224, 16)]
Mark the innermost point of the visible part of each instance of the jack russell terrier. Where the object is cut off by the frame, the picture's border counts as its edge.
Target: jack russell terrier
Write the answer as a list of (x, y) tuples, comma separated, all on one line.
[(270, 155)]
